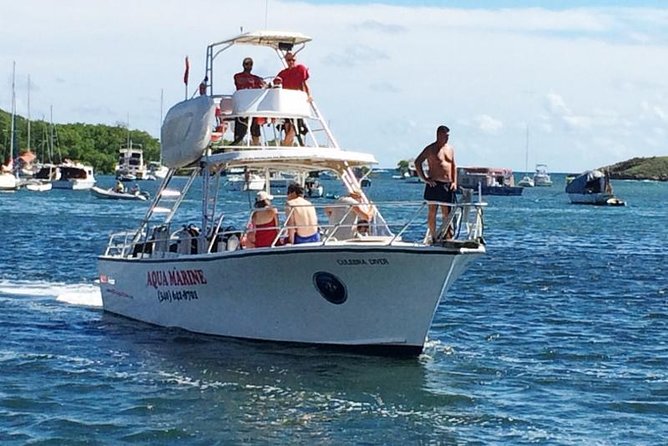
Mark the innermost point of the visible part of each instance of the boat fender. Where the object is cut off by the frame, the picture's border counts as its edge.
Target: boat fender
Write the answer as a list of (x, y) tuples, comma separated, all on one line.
[(186, 131)]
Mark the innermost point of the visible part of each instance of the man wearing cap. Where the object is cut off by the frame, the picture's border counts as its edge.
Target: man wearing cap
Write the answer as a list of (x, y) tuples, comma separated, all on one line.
[(293, 77), (264, 222), (441, 183), (246, 80)]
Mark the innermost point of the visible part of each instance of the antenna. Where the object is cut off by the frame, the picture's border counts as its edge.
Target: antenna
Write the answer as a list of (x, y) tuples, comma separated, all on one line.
[(266, 13)]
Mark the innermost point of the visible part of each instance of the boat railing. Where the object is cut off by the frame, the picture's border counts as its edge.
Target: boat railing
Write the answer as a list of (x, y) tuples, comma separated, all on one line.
[(408, 225)]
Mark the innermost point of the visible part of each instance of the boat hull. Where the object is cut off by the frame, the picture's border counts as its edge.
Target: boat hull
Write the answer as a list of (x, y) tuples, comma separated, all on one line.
[(73, 184), (598, 199), (110, 194), (380, 298)]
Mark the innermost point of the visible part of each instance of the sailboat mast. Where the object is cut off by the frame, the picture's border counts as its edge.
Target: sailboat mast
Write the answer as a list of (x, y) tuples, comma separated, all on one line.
[(526, 155), (13, 123), (160, 127), (29, 143)]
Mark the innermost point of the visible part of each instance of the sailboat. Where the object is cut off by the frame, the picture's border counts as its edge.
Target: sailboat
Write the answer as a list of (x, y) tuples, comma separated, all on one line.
[(526, 181), (8, 175), (155, 168)]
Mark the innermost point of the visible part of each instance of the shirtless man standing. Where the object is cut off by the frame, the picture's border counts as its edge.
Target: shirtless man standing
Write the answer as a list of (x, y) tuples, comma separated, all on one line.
[(441, 183), (303, 221)]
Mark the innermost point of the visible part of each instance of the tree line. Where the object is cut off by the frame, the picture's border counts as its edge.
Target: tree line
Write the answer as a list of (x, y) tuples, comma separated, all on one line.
[(94, 144)]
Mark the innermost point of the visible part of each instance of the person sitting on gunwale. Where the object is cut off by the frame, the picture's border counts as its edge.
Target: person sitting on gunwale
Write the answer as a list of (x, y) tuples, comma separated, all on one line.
[(264, 220), (302, 219)]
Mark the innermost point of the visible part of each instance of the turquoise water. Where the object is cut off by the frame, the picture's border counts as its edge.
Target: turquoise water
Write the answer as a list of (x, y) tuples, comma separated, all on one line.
[(558, 336)]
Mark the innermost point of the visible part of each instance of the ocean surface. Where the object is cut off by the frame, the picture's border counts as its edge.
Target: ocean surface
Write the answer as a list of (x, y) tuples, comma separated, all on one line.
[(558, 336)]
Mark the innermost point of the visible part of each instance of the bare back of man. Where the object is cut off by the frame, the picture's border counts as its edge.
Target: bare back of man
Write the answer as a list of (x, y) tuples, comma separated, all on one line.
[(303, 217)]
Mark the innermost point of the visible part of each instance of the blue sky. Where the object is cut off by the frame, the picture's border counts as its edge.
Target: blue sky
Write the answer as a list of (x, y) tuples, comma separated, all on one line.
[(589, 79)]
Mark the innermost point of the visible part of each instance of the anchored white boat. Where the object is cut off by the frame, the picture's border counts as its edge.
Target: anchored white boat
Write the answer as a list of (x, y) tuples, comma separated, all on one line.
[(130, 166), (376, 292), (157, 170), (74, 176), (592, 187), (541, 177)]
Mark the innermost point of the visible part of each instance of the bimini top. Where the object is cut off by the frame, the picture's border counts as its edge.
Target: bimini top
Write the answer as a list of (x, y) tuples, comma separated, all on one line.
[(283, 40), (295, 157)]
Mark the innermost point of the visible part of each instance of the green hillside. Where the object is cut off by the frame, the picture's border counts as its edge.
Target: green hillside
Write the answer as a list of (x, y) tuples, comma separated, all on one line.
[(654, 168), (95, 144)]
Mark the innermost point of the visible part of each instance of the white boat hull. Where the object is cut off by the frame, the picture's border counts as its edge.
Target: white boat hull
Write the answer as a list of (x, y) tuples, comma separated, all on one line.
[(39, 187), (8, 181), (110, 194), (272, 294), (601, 199), (71, 184)]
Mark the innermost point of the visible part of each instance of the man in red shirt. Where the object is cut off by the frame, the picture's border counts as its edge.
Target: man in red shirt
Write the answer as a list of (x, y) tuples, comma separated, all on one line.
[(294, 77), (245, 80)]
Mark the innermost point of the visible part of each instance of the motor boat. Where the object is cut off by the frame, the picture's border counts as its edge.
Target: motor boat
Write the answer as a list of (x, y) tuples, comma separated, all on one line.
[(541, 178), (489, 180), (74, 176), (157, 170), (375, 293), (592, 187), (130, 166)]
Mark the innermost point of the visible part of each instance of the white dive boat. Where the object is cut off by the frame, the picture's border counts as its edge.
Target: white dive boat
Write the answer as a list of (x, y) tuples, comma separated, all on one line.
[(112, 194), (74, 176), (592, 187), (541, 177), (373, 293)]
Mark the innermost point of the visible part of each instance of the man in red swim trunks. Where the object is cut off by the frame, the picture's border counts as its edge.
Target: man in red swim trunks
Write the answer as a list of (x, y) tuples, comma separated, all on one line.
[(244, 80), (441, 183), (294, 77)]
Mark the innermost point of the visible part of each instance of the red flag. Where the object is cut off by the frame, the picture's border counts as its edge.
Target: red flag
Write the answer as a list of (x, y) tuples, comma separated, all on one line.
[(185, 75)]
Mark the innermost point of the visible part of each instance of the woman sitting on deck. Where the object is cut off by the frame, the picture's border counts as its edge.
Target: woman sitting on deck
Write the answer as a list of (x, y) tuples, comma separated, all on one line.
[(264, 221)]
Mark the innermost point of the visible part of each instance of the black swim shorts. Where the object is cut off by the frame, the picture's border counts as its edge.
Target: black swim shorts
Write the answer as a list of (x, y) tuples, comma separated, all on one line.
[(441, 192)]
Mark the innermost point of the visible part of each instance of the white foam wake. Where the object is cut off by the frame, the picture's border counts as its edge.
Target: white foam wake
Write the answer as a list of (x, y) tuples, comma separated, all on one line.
[(84, 294)]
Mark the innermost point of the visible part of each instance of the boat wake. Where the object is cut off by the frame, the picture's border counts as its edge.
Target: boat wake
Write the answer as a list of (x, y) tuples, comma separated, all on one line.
[(83, 294)]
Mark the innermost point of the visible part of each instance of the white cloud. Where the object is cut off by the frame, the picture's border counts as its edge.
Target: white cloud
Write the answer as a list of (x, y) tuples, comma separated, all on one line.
[(487, 124), (589, 82)]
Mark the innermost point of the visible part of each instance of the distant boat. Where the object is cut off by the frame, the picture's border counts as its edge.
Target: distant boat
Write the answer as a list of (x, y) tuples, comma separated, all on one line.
[(490, 180), (592, 187), (74, 176), (541, 177), (131, 165), (157, 170), (34, 185), (526, 181)]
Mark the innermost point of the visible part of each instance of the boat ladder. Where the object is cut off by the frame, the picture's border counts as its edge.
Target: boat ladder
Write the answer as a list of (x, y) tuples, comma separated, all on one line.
[(165, 203)]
